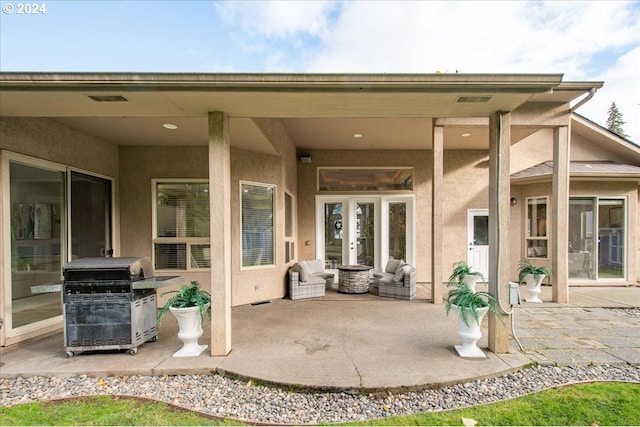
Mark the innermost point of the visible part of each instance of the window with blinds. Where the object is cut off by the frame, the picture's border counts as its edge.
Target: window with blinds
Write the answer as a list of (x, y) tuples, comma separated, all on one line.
[(258, 224), (181, 225)]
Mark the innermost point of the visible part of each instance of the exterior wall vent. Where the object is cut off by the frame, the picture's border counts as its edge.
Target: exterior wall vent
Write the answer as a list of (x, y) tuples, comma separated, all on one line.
[(108, 98), (473, 99)]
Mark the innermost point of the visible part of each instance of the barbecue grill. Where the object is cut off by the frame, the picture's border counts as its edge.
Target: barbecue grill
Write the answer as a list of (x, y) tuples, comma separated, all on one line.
[(109, 303)]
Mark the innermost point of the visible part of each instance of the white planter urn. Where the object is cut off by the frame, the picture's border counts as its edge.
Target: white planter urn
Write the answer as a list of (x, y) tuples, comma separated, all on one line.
[(533, 287), (190, 330), (470, 333), (471, 281)]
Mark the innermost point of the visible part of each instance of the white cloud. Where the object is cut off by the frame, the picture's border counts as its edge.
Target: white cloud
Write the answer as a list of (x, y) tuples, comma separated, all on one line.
[(578, 38), (622, 86), (276, 19)]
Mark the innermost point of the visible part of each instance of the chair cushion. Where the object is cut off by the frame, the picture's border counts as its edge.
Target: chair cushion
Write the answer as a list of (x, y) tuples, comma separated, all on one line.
[(399, 274), (316, 266), (392, 265), (305, 271)]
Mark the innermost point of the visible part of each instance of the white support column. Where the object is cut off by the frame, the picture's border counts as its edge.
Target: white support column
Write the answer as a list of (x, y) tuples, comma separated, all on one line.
[(560, 225), (220, 225), (437, 181), (499, 215)]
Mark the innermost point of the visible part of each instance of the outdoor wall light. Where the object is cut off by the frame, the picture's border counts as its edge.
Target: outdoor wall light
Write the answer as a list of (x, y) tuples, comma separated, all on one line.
[(514, 201)]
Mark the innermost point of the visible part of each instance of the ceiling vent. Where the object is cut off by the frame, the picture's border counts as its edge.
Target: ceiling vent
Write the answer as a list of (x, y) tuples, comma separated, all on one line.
[(473, 99), (108, 98)]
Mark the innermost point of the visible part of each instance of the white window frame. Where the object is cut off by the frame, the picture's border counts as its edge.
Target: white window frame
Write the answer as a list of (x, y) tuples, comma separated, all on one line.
[(527, 225), (14, 335), (290, 241), (275, 222), (189, 241)]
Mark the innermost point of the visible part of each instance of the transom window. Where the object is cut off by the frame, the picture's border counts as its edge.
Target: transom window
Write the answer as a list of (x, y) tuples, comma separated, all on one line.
[(181, 225), (365, 179)]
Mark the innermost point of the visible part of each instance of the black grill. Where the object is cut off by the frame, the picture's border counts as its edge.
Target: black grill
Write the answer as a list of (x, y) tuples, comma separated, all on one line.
[(109, 304)]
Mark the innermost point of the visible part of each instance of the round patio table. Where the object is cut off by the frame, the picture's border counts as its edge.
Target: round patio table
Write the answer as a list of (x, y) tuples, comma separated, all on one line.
[(353, 279)]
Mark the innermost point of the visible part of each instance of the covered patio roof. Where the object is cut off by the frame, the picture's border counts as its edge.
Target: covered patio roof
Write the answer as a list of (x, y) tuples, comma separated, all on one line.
[(319, 111)]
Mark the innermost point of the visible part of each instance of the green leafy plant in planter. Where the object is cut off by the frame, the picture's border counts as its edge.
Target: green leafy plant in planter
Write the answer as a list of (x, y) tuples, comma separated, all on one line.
[(468, 301), (525, 267), (461, 270), (189, 295)]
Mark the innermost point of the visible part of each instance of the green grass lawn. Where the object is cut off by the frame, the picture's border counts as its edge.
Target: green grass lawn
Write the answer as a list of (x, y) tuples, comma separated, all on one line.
[(584, 404)]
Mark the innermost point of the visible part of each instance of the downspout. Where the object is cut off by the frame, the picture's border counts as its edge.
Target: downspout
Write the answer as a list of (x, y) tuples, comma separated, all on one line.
[(592, 92)]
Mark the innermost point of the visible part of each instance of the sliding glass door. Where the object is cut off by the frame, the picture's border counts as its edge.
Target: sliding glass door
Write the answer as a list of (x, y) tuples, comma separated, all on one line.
[(597, 238), (52, 215), (37, 221), (90, 216)]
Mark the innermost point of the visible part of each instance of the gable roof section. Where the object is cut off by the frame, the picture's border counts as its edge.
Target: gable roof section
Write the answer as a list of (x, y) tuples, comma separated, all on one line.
[(585, 170), (604, 137)]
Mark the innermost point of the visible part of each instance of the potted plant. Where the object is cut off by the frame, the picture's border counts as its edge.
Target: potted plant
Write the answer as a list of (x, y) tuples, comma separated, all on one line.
[(471, 307), (462, 272), (532, 276), (188, 305)]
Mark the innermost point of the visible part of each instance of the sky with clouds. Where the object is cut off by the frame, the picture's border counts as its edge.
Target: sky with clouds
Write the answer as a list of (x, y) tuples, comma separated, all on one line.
[(585, 40)]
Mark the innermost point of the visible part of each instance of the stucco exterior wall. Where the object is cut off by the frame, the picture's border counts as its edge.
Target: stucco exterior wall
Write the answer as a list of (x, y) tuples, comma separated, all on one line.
[(532, 150), (466, 186), (49, 140), (584, 149), (191, 162), (256, 284)]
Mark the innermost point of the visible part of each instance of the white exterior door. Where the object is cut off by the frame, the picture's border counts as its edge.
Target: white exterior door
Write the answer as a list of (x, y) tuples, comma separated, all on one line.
[(478, 241), (364, 230)]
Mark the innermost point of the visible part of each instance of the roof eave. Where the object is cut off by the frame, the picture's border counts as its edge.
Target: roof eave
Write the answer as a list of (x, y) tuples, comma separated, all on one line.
[(274, 81)]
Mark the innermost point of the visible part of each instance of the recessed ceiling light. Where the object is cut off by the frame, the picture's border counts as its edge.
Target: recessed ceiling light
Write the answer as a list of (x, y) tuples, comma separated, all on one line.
[(357, 135), (466, 134), (170, 126)]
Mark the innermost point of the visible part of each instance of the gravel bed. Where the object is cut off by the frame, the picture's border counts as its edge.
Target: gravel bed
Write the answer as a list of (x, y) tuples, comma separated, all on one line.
[(224, 397)]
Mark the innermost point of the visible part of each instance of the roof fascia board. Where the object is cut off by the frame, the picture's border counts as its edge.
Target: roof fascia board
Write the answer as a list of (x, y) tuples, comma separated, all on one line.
[(525, 83), (580, 176)]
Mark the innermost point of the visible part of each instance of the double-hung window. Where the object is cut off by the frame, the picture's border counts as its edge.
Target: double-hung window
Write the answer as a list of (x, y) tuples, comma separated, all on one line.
[(181, 224)]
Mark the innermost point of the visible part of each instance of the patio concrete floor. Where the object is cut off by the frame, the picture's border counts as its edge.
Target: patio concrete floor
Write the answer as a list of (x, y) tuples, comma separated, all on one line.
[(364, 342)]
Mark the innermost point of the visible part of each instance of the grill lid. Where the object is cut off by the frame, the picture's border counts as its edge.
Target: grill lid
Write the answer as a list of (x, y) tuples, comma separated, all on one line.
[(133, 269)]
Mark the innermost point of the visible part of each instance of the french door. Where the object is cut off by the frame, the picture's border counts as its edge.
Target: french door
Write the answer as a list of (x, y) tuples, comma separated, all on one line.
[(364, 230)]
